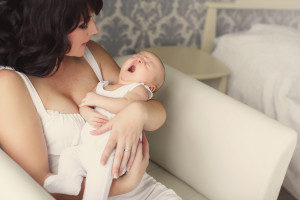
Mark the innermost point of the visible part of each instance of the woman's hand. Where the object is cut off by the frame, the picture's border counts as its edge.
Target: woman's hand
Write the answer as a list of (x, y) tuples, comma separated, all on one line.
[(133, 177), (126, 128), (141, 161)]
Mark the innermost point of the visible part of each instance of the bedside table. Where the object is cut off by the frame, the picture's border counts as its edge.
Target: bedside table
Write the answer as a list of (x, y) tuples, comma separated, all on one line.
[(195, 63)]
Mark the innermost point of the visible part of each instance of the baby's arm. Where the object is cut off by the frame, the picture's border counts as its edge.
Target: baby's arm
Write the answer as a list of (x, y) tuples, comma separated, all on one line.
[(114, 105), (94, 118)]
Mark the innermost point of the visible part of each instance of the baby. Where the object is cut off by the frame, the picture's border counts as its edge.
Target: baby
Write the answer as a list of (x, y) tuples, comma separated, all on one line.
[(140, 76)]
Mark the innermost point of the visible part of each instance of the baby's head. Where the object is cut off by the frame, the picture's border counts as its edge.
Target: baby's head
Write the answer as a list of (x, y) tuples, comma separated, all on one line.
[(143, 67)]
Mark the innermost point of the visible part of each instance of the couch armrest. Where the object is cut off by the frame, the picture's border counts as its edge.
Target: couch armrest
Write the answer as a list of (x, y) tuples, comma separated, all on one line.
[(219, 146), (222, 148), (16, 184)]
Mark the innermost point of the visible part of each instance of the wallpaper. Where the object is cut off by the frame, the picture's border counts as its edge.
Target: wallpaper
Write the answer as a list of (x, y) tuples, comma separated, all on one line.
[(125, 26)]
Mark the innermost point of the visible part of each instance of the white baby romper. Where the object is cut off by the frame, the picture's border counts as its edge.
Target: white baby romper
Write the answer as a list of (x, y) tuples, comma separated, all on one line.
[(63, 130), (83, 160)]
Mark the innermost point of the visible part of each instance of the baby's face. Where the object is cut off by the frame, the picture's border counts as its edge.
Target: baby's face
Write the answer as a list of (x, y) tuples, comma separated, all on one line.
[(143, 67)]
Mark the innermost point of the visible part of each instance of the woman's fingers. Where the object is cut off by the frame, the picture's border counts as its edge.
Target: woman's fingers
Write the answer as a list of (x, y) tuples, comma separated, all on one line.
[(132, 156), (118, 158), (112, 142), (126, 156), (141, 160), (139, 156)]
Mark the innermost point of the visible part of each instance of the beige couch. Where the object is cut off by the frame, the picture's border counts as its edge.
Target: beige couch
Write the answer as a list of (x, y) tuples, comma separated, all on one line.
[(211, 147)]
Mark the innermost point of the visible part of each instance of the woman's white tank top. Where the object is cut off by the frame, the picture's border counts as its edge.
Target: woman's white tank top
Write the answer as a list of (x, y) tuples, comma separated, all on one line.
[(60, 130)]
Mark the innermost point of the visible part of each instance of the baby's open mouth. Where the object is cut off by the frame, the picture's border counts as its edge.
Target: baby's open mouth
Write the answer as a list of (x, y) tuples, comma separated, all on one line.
[(131, 68)]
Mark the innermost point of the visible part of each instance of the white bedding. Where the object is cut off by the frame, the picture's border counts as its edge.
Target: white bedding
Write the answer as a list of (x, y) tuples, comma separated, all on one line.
[(265, 74)]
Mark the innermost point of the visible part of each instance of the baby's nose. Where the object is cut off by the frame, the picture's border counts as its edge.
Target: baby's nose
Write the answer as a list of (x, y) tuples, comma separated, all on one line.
[(140, 60)]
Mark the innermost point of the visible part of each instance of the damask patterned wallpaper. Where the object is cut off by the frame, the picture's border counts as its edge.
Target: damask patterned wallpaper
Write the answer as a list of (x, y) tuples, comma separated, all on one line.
[(128, 25)]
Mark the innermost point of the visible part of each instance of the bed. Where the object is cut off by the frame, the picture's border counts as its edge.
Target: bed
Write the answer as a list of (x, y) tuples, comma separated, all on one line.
[(265, 68)]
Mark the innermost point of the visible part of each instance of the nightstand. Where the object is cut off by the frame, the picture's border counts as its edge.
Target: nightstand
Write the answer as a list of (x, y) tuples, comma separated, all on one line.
[(195, 63)]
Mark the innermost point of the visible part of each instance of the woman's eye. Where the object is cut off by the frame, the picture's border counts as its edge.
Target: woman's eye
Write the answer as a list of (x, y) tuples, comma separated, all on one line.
[(83, 26)]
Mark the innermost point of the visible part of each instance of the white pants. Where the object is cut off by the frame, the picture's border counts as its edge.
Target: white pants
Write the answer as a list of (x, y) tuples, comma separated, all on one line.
[(148, 189), (83, 161)]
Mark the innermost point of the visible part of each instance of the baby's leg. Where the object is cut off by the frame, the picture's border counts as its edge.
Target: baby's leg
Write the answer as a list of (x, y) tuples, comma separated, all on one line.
[(98, 182), (99, 177), (70, 174)]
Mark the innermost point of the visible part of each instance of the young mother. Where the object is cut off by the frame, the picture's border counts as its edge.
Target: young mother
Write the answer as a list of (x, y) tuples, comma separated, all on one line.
[(53, 65)]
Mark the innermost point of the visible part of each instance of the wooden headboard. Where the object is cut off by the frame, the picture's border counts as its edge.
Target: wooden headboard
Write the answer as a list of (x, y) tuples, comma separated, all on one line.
[(209, 33)]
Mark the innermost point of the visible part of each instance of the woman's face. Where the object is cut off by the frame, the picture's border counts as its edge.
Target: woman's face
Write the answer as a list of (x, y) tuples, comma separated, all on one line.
[(80, 36)]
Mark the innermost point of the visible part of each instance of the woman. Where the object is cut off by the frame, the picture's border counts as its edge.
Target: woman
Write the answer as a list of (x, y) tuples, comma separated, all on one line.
[(46, 42)]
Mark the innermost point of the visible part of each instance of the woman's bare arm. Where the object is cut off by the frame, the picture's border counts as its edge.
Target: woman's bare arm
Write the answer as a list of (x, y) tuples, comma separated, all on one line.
[(21, 133), (155, 114)]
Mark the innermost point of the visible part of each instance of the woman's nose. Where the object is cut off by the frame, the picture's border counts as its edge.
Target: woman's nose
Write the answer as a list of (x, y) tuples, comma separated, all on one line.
[(93, 28)]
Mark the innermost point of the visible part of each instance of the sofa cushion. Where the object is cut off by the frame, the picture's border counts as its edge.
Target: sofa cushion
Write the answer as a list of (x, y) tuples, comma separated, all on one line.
[(182, 189)]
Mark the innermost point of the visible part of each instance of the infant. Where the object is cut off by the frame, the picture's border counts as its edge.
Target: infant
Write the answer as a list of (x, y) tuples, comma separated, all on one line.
[(140, 76)]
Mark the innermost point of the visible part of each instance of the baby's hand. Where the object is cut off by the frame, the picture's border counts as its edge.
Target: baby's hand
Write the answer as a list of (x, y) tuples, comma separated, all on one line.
[(89, 99), (95, 119)]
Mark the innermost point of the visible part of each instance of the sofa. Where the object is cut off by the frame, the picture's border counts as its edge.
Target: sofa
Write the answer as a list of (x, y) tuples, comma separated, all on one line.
[(211, 147)]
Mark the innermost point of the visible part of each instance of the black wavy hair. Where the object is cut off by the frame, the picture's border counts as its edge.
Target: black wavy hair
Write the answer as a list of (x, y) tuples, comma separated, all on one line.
[(33, 33)]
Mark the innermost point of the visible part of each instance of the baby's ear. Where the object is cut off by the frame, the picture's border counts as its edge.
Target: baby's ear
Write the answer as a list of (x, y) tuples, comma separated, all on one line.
[(152, 88)]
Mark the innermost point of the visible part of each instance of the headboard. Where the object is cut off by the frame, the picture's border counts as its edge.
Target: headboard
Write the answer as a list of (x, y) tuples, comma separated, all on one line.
[(209, 33)]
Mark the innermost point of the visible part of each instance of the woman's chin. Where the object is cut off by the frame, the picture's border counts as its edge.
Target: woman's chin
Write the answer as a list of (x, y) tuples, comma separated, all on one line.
[(79, 53)]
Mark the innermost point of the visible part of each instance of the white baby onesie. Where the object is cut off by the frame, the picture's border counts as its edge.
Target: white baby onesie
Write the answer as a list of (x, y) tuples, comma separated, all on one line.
[(84, 160)]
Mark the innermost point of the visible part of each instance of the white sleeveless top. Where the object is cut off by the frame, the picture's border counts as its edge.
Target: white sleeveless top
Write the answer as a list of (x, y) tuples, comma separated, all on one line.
[(60, 130)]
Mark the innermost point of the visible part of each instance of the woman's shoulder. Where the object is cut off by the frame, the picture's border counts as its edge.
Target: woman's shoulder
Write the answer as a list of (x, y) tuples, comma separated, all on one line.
[(9, 76), (99, 53), (14, 93), (97, 50), (11, 82), (107, 64)]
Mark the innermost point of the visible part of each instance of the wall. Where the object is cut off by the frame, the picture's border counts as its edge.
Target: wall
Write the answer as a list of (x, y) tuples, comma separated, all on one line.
[(128, 25)]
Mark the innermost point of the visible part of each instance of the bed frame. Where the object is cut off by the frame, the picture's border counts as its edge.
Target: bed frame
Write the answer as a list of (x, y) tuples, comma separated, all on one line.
[(210, 25)]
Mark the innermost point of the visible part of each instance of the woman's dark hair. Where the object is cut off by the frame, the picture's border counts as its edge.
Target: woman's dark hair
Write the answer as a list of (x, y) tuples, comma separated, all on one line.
[(33, 33)]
